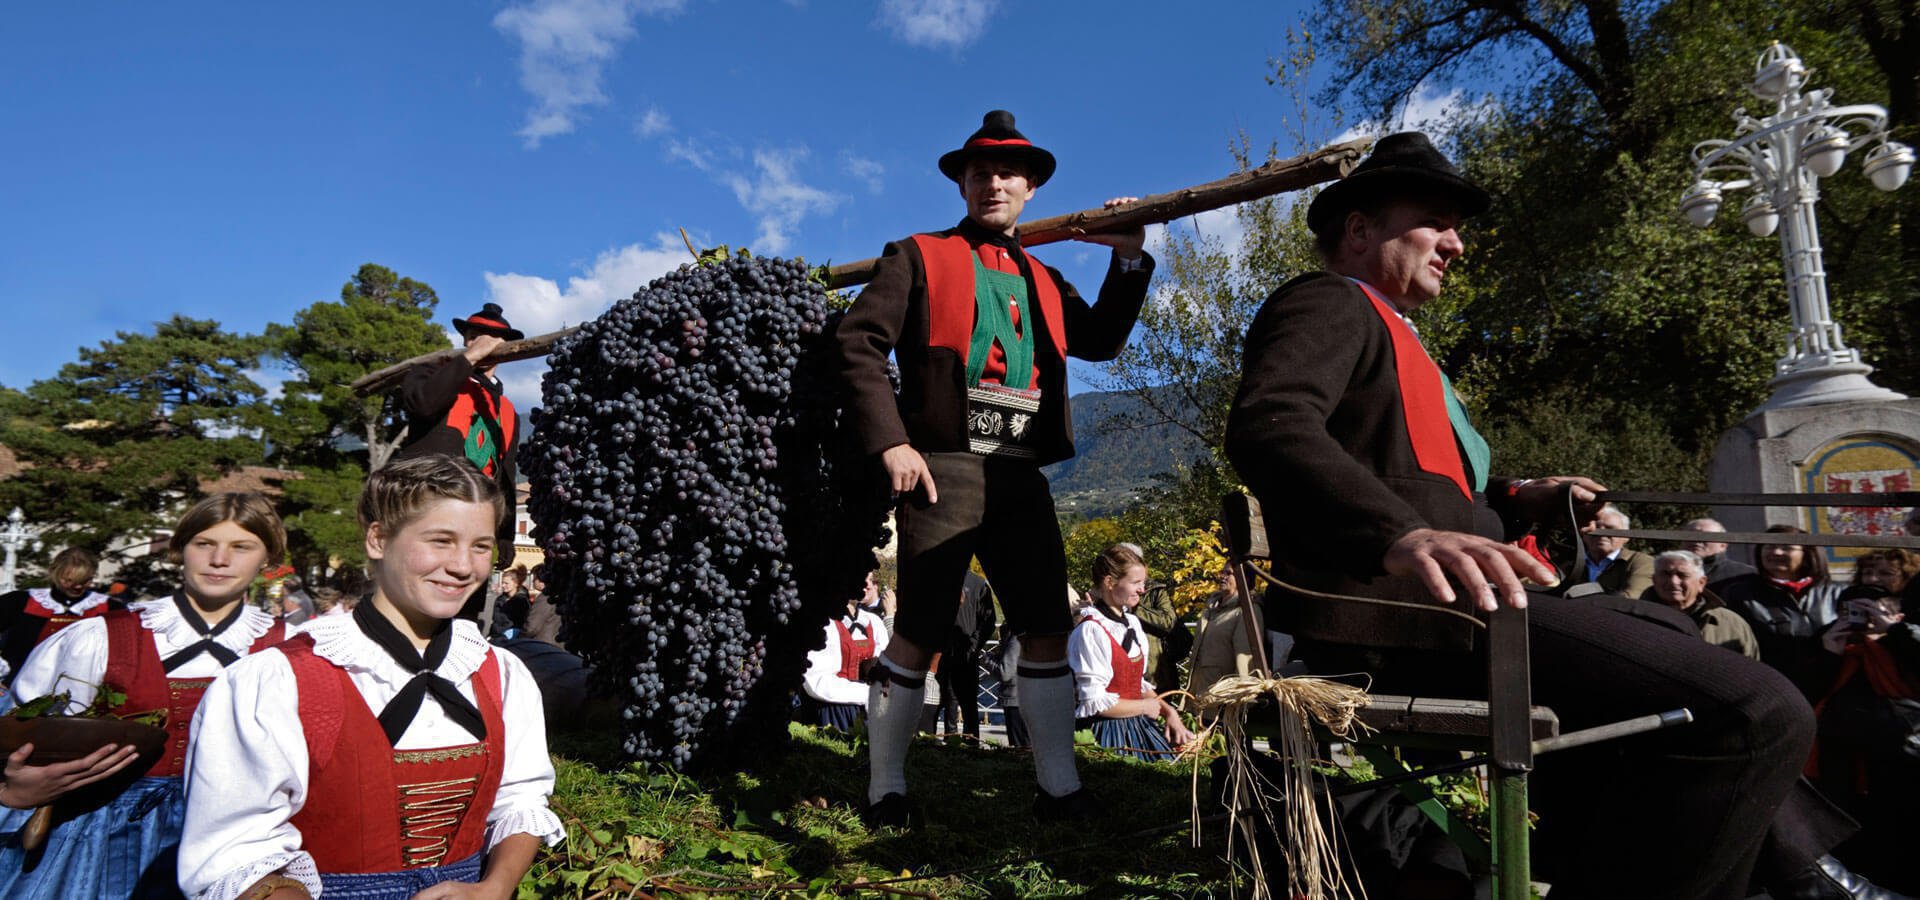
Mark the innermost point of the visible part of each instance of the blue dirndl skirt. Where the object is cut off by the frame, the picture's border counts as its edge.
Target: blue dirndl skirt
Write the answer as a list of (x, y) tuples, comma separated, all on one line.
[(399, 885), (843, 716), (1138, 736), (127, 848)]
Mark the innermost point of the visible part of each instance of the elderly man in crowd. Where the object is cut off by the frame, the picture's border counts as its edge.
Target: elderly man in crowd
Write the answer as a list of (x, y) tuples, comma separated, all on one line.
[(1343, 419), (1610, 566), (1680, 581), (1713, 554)]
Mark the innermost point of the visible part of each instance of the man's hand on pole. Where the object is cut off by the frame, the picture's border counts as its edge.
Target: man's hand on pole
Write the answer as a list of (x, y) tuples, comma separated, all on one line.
[(479, 347), (1125, 244), (907, 469), (1487, 569)]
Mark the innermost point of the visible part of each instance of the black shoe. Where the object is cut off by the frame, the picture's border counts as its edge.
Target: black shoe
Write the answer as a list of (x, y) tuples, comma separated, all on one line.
[(1830, 879), (893, 811), (1079, 806)]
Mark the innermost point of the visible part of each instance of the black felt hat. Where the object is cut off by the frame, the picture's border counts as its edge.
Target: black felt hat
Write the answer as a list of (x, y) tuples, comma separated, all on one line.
[(489, 320), (997, 137), (1405, 162)]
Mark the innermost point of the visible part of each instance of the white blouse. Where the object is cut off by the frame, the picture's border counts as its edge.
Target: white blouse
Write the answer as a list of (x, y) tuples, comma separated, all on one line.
[(247, 765), (74, 659), (823, 681), (1091, 656)]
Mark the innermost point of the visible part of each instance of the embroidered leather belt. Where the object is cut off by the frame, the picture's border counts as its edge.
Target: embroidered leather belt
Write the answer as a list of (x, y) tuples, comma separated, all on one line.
[(1000, 420)]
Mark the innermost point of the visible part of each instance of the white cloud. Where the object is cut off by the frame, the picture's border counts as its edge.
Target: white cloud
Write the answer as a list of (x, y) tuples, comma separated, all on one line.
[(863, 169), (937, 24), (565, 45), (537, 305), (775, 194), (1220, 228), (653, 123), (1430, 110), (690, 153)]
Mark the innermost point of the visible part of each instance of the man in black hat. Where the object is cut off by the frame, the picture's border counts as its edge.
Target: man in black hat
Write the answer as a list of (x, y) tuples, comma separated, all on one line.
[(459, 409), (981, 331), (1343, 421)]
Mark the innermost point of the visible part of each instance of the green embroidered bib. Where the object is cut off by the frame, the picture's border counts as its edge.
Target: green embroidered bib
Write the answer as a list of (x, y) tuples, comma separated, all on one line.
[(995, 296)]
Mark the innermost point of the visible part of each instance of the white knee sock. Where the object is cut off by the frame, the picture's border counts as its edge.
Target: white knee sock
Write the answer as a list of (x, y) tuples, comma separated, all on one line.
[(1046, 703), (893, 713)]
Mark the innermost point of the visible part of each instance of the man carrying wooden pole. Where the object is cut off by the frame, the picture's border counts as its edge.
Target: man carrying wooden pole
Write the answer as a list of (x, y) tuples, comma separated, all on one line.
[(981, 332)]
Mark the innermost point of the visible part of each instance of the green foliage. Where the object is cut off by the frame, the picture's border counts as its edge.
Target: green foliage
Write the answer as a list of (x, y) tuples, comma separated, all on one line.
[(114, 443), (790, 828), (380, 319)]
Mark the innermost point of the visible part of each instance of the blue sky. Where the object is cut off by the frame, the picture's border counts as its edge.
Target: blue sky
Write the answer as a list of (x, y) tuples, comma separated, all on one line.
[(239, 161)]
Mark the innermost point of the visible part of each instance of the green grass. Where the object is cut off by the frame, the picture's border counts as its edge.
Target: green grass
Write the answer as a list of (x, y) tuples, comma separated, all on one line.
[(792, 828)]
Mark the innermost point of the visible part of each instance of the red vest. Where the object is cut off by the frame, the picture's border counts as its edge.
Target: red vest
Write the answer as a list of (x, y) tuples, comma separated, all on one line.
[(1127, 671), (371, 808), (1423, 399), (949, 264), (464, 416), (56, 621), (853, 651), (133, 667)]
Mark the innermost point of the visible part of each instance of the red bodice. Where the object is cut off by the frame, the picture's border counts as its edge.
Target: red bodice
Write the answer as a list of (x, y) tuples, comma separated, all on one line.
[(134, 668), (1127, 671), (371, 808), (853, 650)]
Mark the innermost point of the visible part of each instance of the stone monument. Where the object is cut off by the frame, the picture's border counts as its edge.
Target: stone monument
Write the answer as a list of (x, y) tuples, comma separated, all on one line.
[(1826, 428)]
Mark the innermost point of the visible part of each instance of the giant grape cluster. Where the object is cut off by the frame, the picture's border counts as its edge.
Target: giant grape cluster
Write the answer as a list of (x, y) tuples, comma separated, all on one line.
[(701, 513)]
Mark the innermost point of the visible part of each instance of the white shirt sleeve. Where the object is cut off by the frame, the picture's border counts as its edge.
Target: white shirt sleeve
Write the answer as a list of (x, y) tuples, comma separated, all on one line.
[(246, 777), (823, 681), (73, 660), (526, 776), (1090, 655)]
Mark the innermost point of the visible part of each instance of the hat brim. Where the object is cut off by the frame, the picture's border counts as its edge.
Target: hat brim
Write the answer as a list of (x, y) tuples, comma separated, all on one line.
[(511, 334), (1343, 196), (1040, 164)]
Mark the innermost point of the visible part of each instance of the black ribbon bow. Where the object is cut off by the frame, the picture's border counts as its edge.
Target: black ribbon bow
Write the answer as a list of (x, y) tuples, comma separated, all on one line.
[(1126, 643), (405, 705), (854, 625), (220, 652)]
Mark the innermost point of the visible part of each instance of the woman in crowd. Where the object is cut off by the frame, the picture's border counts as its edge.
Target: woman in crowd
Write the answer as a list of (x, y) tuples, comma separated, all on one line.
[(32, 615), (836, 683), (1867, 698), (387, 752), (511, 606), (1892, 570), (1108, 653), (1787, 602), (159, 655)]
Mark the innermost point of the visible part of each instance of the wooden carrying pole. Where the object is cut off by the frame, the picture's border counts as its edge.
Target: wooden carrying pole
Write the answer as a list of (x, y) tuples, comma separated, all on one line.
[(1328, 163)]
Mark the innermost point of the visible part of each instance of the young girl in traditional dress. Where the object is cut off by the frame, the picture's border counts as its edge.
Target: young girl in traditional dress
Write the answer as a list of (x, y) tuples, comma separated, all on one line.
[(30, 616), (161, 654), (1108, 653), (389, 752), (835, 682)]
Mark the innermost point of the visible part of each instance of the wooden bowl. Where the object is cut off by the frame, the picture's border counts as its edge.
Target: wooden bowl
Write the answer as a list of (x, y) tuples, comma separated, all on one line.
[(57, 739)]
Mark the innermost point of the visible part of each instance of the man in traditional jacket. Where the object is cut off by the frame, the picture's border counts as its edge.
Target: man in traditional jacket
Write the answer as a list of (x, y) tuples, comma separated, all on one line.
[(1344, 420), (981, 331), (459, 409)]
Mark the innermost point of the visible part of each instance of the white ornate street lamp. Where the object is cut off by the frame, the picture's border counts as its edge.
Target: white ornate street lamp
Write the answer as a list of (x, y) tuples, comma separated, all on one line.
[(13, 538), (1782, 158)]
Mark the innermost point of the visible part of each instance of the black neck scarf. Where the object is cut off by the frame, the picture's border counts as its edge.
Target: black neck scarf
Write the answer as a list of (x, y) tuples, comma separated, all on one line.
[(1105, 610), (221, 652), (853, 623), (406, 704)]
